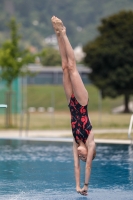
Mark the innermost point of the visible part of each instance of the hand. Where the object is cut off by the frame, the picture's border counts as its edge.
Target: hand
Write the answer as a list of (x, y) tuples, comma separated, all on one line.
[(84, 190), (78, 189)]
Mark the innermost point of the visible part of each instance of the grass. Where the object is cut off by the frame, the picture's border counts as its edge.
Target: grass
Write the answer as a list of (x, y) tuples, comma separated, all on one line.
[(53, 95), (61, 120), (117, 136)]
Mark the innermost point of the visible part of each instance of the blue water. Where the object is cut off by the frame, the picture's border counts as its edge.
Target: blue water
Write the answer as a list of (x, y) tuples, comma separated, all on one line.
[(44, 170)]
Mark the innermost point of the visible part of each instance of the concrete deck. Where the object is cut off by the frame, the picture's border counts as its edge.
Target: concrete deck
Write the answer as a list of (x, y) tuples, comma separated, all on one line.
[(59, 139), (53, 133), (58, 135)]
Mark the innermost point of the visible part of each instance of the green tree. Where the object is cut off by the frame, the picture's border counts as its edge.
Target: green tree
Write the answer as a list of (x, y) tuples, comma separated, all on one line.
[(12, 61), (50, 57), (110, 56)]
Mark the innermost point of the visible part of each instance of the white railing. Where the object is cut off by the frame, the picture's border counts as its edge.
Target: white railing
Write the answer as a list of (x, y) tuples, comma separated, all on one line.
[(130, 127), (3, 106)]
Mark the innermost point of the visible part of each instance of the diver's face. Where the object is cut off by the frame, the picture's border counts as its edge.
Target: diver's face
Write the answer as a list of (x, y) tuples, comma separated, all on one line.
[(83, 158), (82, 153)]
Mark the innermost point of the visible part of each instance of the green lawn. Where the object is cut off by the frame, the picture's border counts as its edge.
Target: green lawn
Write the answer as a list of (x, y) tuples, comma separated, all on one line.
[(112, 136), (53, 95), (49, 95), (61, 120)]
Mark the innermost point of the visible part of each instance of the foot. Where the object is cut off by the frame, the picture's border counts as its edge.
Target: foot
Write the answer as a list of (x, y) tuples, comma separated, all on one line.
[(63, 31), (58, 25), (53, 20)]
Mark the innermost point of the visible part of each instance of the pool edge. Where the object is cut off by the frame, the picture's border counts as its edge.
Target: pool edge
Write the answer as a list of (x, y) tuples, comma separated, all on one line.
[(62, 139)]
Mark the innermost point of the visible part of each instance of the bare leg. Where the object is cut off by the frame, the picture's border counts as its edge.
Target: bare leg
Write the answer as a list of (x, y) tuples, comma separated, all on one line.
[(78, 87), (66, 77)]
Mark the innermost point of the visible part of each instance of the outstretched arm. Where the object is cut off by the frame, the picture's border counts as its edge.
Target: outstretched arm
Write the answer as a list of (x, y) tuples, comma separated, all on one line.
[(76, 166), (91, 149)]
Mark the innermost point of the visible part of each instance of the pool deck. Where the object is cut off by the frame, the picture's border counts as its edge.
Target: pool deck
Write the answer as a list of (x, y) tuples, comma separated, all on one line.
[(59, 135)]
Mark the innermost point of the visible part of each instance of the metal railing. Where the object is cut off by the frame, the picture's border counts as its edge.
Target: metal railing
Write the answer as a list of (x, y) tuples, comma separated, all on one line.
[(130, 127), (3, 106)]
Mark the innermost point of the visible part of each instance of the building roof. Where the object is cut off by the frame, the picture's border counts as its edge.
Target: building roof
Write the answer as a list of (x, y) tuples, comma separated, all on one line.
[(40, 68)]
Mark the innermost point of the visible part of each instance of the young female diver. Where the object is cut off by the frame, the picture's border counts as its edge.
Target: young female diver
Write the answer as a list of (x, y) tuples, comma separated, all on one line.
[(77, 97)]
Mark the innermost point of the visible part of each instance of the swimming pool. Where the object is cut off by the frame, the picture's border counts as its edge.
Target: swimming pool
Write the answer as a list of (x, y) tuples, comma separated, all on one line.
[(44, 170)]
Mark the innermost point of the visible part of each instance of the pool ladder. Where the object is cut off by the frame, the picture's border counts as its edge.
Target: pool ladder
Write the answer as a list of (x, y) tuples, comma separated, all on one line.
[(130, 128)]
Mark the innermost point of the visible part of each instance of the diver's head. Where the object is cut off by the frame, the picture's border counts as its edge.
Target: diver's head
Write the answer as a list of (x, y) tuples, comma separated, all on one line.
[(83, 151)]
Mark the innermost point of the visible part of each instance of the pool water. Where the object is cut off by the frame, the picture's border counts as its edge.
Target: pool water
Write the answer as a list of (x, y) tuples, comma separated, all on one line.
[(44, 170)]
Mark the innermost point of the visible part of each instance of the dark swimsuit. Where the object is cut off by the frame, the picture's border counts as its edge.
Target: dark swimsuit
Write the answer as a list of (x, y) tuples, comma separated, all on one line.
[(81, 126)]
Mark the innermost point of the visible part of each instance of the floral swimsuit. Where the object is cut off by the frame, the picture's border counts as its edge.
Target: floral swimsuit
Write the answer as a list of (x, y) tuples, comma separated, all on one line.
[(81, 126)]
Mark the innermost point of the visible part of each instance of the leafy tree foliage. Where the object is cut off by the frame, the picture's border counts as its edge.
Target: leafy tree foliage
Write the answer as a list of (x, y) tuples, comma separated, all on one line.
[(50, 57), (110, 56), (80, 17), (12, 60)]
